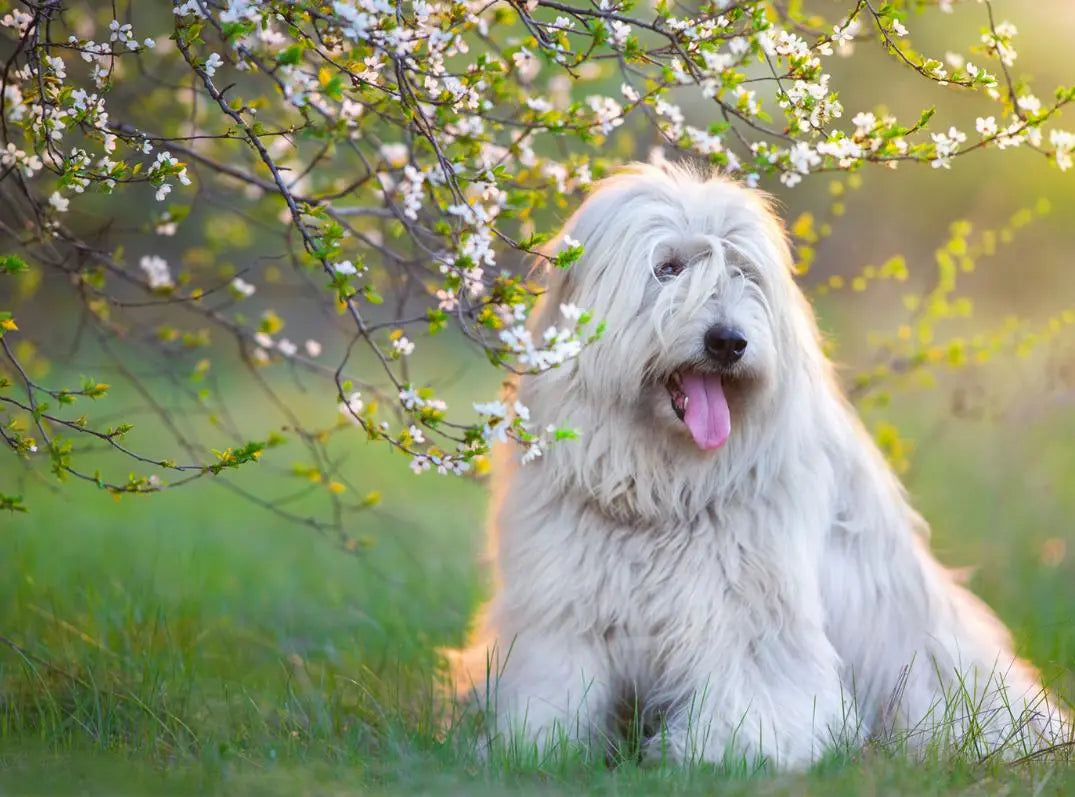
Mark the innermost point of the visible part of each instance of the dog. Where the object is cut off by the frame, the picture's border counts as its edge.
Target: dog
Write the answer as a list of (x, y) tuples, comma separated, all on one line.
[(725, 552)]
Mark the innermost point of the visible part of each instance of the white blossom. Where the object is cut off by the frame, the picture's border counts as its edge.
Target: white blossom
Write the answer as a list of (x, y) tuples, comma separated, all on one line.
[(522, 412), (539, 104), (156, 271), (497, 409), (864, 123), (212, 64), (17, 19), (1029, 103), (608, 114), (1064, 142), (533, 451), (947, 144), (446, 300), (802, 158), (59, 201), (352, 406), (618, 33), (571, 312), (395, 155)]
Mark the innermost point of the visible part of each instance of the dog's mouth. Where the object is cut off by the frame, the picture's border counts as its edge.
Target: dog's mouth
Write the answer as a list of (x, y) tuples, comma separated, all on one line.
[(698, 400)]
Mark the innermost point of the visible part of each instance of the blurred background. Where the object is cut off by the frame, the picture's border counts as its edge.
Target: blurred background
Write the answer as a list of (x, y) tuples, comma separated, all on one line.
[(231, 614)]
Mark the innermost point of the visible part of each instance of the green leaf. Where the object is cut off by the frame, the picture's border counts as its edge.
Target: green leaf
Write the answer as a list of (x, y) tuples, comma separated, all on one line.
[(12, 264), (568, 257), (12, 503), (290, 56)]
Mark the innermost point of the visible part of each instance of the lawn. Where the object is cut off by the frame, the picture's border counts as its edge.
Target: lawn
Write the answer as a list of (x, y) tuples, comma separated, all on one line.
[(190, 642)]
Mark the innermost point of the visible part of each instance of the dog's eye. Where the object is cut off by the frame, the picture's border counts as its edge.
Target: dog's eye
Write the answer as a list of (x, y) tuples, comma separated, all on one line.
[(668, 269), (751, 276)]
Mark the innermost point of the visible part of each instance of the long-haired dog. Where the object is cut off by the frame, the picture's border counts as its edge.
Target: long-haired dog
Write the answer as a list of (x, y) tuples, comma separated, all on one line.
[(725, 551)]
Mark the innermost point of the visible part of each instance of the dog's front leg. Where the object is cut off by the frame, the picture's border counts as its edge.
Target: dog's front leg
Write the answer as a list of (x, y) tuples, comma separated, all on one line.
[(541, 692), (774, 704)]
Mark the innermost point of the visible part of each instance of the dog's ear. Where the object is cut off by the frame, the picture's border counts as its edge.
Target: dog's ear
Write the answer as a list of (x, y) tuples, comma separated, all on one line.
[(772, 210)]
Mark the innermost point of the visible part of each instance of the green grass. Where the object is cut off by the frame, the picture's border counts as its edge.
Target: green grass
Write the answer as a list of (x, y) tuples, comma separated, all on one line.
[(192, 643)]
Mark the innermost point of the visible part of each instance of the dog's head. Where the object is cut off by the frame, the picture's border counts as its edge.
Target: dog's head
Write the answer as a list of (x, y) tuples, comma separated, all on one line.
[(692, 276)]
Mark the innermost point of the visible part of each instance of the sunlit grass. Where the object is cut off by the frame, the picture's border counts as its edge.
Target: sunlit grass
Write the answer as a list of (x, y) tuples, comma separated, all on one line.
[(189, 642)]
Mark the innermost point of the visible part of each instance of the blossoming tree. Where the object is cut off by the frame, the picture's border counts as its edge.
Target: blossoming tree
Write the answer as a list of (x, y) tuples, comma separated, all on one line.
[(404, 166)]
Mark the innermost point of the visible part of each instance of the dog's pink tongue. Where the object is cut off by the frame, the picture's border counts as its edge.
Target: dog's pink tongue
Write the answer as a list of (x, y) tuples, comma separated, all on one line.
[(707, 415)]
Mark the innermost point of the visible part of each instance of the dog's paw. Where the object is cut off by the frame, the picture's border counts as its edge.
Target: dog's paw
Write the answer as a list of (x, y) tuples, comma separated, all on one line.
[(664, 749)]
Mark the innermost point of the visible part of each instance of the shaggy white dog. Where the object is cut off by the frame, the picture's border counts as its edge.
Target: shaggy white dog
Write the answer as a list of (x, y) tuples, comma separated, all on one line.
[(725, 550)]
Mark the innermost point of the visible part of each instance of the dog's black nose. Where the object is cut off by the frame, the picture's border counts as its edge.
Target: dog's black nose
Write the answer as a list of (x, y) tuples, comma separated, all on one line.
[(724, 344)]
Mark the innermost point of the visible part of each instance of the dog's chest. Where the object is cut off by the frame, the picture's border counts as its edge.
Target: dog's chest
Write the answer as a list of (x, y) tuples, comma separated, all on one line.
[(703, 587), (656, 583)]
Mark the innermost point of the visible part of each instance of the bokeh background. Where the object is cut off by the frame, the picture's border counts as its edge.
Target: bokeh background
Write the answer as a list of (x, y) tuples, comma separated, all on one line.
[(232, 624)]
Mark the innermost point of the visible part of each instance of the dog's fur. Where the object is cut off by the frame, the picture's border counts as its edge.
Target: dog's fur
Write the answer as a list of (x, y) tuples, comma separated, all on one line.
[(769, 599)]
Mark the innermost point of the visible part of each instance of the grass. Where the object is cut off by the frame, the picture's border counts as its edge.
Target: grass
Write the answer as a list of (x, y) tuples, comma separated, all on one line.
[(192, 643)]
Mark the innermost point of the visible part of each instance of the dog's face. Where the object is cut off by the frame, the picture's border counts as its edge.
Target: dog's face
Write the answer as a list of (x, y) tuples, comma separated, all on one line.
[(692, 278)]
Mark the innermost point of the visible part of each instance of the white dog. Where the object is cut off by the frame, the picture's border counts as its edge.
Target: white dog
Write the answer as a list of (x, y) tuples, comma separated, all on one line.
[(725, 550)]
